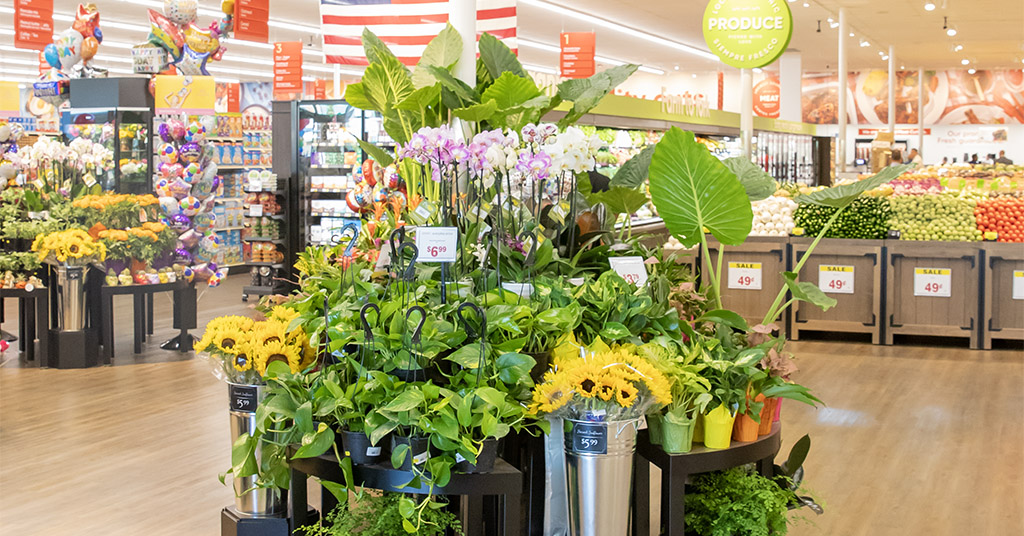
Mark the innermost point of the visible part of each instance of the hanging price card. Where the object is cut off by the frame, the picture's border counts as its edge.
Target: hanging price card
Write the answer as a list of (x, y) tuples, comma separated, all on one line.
[(243, 397), (1018, 284), (631, 269), (437, 244), (255, 211), (745, 275), (590, 438), (835, 279), (934, 282)]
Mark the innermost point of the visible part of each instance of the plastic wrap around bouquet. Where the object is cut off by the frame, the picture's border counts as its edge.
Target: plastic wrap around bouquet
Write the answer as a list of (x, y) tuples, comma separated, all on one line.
[(186, 186), (9, 136)]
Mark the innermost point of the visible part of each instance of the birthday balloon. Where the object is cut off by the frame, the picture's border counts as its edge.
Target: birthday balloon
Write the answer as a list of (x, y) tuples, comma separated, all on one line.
[(180, 189), (204, 221), (394, 180), (203, 188), (192, 62), (209, 152), (195, 132), (182, 256), (162, 189), (368, 174), (53, 87), (202, 271), (192, 173), (210, 172), (190, 238), (181, 11), (51, 56), (190, 206), (215, 279), (190, 152), (350, 200), (168, 153), (172, 171), (179, 222), (164, 130), (89, 47), (200, 40), (69, 48), (165, 34), (188, 274), (170, 206), (87, 20)]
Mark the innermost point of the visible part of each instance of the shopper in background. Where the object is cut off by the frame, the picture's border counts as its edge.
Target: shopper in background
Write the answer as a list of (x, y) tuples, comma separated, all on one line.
[(914, 157), (896, 158), (974, 159), (1002, 159), (945, 160)]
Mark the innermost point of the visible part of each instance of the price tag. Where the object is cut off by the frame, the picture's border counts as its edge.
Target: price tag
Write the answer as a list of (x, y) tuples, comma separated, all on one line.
[(631, 269), (437, 244), (591, 438), (745, 275), (421, 458), (934, 282), (459, 458), (255, 211), (1018, 284), (835, 279), (372, 451), (243, 397)]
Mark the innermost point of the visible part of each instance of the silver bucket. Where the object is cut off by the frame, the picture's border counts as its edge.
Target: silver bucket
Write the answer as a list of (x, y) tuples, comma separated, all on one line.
[(71, 298), (599, 471), (260, 501)]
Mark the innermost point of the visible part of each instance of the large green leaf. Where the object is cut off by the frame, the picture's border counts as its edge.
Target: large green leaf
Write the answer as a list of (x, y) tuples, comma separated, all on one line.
[(461, 90), (808, 292), (758, 184), (693, 191), (386, 85), (510, 90), (841, 196), (634, 172), (725, 317), (380, 155), (355, 95), (586, 93), (498, 58), (442, 51), (376, 51), (421, 99), (477, 112), (619, 200)]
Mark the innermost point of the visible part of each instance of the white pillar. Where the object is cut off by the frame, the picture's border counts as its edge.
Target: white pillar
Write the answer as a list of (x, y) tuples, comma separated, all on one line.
[(462, 16), (337, 82), (746, 109), (892, 90), (790, 86), (921, 88), (841, 91)]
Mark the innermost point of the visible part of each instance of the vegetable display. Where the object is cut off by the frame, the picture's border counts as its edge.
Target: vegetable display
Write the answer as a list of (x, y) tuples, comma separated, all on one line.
[(944, 217), (1003, 216), (866, 218), (773, 216)]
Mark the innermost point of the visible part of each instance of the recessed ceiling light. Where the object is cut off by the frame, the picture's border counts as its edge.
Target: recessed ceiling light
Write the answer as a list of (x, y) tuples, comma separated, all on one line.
[(951, 31), (971, 70), (806, 4), (864, 43), (676, 67), (851, 34), (695, 75), (965, 61), (929, 6), (832, 24), (958, 48), (885, 57)]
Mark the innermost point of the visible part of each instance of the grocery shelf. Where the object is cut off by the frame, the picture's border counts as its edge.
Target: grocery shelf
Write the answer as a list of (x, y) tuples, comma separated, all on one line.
[(222, 199), (222, 138), (271, 264), (328, 190)]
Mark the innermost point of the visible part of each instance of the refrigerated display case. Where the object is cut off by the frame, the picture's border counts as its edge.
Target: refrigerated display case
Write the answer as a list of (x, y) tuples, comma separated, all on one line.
[(125, 131), (786, 157)]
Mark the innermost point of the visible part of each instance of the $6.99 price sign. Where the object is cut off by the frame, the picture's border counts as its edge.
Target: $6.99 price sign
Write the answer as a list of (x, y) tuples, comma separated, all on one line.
[(437, 244), (835, 279), (745, 275), (934, 282)]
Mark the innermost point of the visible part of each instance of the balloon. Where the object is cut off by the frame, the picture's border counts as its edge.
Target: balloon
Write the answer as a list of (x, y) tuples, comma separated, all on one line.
[(209, 152), (98, 34), (380, 195), (181, 11), (177, 128), (190, 238), (87, 20), (191, 172), (172, 171), (204, 221), (182, 256), (190, 152), (396, 194), (215, 279), (179, 222), (201, 40), (5, 133), (162, 189), (195, 132), (170, 206), (190, 206), (180, 189), (152, 87), (188, 275), (165, 132), (227, 7), (350, 200), (53, 87), (368, 174), (148, 58), (210, 172), (193, 63), (219, 53), (163, 33), (168, 153), (69, 48), (89, 47), (202, 271), (394, 180), (50, 54)]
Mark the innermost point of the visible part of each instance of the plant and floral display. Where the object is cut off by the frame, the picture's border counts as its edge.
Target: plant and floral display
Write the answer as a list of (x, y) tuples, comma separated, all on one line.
[(72, 247)]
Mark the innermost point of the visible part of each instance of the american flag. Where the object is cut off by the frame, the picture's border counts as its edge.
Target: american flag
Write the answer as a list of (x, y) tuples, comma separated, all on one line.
[(406, 26)]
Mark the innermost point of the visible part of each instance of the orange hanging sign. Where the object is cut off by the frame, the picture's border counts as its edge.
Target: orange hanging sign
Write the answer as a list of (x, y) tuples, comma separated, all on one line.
[(33, 24), (251, 18), (577, 54), (287, 69)]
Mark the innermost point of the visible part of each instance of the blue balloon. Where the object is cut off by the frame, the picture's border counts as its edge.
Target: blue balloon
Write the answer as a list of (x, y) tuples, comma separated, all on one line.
[(51, 56), (98, 34)]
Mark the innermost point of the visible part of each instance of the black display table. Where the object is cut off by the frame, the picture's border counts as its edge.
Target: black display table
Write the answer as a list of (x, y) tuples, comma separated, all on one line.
[(184, 313), (677, 467), (482, 516), (33, 319)]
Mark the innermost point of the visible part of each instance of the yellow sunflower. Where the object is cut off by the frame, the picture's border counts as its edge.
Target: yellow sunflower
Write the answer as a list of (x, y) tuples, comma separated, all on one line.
[(276, 351), (625, 394), (270, 331), (283, 314), (226, 339), (242, 357)]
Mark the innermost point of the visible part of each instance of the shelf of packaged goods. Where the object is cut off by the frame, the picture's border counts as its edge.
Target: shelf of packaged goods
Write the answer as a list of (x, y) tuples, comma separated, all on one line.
[(334, 214), (222, 139), (271, 264), (232, 265), (275, 216), (346, 166), (260, 149), (231, 228), (240, 166), (265, 191), (272, 240), (225, 199), (328, 190)]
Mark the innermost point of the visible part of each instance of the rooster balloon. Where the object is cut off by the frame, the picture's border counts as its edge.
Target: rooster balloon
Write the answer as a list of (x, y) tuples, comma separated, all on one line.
[(176, 39), (70, 56)]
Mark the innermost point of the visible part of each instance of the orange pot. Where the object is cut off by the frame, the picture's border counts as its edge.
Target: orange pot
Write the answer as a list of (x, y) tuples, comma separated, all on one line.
[(767, 416), (138, 266), (744, 429)]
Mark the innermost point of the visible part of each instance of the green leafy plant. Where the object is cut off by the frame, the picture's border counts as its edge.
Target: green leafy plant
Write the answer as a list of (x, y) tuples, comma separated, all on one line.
[(381, 515), (736, 503)]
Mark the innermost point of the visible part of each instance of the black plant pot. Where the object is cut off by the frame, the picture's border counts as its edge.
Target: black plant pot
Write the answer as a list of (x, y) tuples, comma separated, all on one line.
[(484, 460), (357, 446), (543, 360), (419, 450), (410, 375)]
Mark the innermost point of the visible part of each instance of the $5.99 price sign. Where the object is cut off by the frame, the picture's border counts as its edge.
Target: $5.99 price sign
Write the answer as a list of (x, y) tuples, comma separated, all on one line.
[(934, 282), (835, 279), (631, 269), (437, 244), (745, 275)]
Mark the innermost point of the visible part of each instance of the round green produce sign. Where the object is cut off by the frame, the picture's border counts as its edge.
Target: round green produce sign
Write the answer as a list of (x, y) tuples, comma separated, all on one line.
[(748, 33)]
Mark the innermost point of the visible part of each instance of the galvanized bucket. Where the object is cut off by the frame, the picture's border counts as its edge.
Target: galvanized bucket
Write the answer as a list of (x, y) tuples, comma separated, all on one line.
[(71, 297), (259, 502), (599, 471)]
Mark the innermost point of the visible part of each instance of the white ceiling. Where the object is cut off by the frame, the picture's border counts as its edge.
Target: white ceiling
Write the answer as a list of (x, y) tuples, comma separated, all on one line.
[(991, 32)]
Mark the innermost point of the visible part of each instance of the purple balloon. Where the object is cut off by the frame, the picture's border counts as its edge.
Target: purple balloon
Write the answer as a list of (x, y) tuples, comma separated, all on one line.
[(182, 256), (190, 152), (190, 238), (165, 132), (180, 223)]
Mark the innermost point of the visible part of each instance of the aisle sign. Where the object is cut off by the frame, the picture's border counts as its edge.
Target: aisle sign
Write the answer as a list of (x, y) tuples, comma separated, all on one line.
[(835, 279), (934, 282), (747, 33), (287, 69), (33, 24), (577, 54), (251, 17), (437, 244), (632, 269), (43, 64), (320, 89), (1018, 284), (745, 275)]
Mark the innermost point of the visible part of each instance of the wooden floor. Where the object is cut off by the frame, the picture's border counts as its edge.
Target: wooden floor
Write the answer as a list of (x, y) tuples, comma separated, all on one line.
[(913, 441)]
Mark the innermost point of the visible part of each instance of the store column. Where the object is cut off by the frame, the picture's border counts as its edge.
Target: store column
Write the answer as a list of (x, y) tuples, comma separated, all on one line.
[(892, 89), (790, 80), (746, 110), (841, 92), (462, 16), (921, 88)]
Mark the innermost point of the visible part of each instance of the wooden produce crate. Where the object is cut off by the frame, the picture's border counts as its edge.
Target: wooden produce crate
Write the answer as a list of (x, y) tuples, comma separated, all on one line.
[(655, 234), (751, 275), (1003, 316), (849, 271), (933, 289)]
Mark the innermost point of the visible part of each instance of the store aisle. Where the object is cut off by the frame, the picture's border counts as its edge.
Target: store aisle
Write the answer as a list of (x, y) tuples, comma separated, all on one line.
[(913, 441)]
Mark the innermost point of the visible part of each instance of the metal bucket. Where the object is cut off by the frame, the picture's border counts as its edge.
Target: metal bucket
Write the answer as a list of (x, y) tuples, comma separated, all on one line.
[(261, 501), (599, 471), (71, 298)]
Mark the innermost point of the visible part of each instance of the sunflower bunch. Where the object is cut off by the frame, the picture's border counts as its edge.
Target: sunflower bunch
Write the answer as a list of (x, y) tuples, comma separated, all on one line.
[(615, 383), (72, 247), (242, 348)]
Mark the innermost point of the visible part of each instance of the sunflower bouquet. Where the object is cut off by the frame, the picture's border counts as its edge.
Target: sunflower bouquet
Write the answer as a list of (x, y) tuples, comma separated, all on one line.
[(73, 247), (609, 385), (241, 348)]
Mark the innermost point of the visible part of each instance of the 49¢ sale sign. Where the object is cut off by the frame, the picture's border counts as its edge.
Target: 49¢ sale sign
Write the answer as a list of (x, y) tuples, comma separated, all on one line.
[(747, 33)]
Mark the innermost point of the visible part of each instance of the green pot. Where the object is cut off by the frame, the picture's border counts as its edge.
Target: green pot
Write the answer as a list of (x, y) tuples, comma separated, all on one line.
[(677, 438), (654, 427)]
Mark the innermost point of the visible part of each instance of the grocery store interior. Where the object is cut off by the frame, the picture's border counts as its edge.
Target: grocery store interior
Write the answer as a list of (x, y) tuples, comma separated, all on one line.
[(326, 267)]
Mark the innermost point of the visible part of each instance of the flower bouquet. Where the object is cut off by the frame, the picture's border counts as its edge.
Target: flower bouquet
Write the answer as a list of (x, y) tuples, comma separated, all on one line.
[(240, 348), (71, 251)]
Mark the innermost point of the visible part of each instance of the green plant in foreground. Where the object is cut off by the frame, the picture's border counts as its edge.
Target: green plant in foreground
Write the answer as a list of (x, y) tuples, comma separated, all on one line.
[(736, 503), (380, 515)]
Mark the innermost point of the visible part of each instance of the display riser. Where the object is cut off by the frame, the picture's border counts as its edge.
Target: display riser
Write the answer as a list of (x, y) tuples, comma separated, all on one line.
[(772, 254), (1004, 316), (232, 523), (73, 349)]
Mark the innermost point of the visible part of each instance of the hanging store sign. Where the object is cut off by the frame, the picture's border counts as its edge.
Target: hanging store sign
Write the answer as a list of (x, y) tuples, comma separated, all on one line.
[(577, 54), (287, 69), (767, 98), (33, 24), (251, 20), (747, 33)]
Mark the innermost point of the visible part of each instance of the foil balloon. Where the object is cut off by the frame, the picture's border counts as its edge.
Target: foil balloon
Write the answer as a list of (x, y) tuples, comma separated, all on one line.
[(190, 152), (188, 274), (195, 132), (394, 180), (380, 195), (210, 172), (181, 11), (53, 87), (209, 245), (368, 174), (69, 48), (208, 205), (190, 206), (204, 221), (168, 153), (182, 256), (51, 57), (162, 189), (400, 197), (193, 63), (192, 173), (201, 40), (87, 20), (148, 58), (203, 188), (209, 152), (170, 206), (202, 271), (215, 279), (164, 34), (89, 48), (180, 189), (179, 222), (177, 129), (350, 200), (190, 238), (164, 130), (171, 171)]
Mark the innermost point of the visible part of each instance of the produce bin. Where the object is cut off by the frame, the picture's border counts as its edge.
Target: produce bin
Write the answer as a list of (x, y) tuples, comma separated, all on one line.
[(933, 289), (850, 271), (655, 234), (751, 275), (1003, 316)]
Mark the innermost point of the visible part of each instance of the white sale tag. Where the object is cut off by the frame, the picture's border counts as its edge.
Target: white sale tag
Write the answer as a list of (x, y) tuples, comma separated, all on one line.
[(373, 451), (934, 282), (437, 244), (835, 279), (255, 211), (1018, 284), (631, 269), (745, 275)]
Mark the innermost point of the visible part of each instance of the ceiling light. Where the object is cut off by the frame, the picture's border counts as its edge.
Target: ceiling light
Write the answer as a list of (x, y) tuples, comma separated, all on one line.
[(539, 69), (676, 68), (851, 34), (965, 61), (950, 29), (929, 6), (695, 75), (885, 57), (972, 70), (833, 24), (651, 70), (806, 4), (864, 43), (829, 20), (597, 21), (958, 48)]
